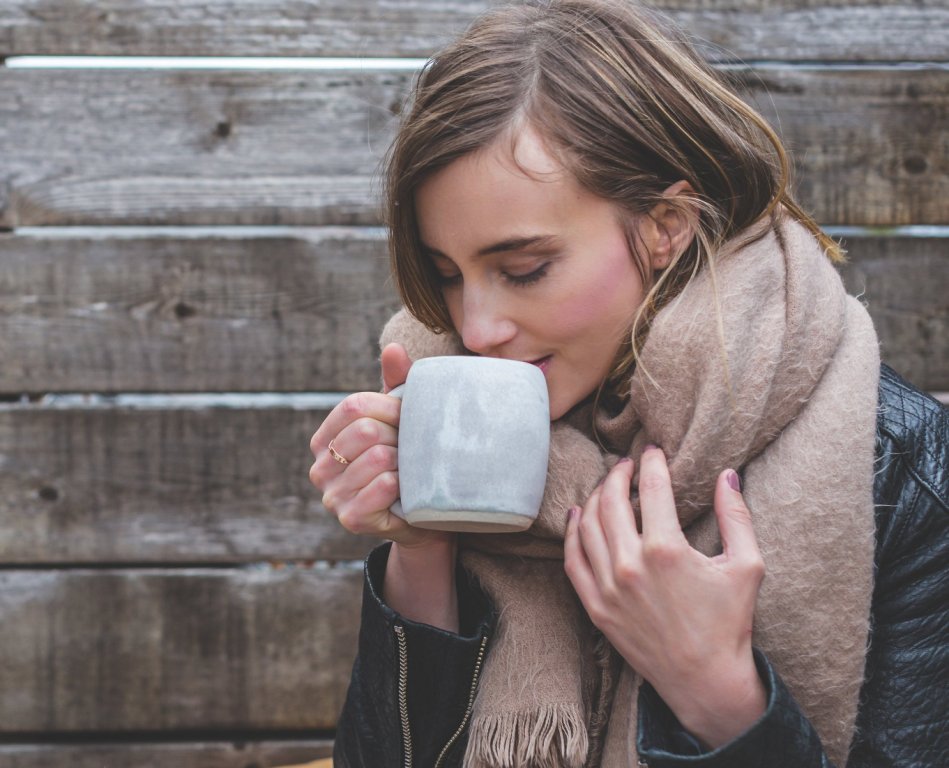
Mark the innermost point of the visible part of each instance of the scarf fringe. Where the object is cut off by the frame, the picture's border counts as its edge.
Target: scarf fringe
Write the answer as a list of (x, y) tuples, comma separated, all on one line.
[(552, 736)]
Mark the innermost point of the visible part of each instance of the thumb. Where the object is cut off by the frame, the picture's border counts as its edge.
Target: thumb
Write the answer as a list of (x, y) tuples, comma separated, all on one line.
[(395, 366), (734, 518)]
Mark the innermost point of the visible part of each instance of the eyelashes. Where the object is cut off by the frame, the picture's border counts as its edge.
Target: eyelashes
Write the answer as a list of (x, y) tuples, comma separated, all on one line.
[(530, 278), (447, 281)]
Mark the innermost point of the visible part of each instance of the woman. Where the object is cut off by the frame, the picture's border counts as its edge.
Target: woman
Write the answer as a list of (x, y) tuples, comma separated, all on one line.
[(573, 187)]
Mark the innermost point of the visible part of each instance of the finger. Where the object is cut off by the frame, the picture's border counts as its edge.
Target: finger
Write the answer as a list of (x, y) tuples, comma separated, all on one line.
[(593, 541), (734, 519), (368, 511), (616, 511), (363, 434), (657, 504), (576, 564), (363, 470), (360, 405), (368, 447), (395, 366)]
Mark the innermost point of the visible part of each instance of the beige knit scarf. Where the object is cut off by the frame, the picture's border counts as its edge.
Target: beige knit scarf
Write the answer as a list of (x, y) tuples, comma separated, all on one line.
[(767, 366)]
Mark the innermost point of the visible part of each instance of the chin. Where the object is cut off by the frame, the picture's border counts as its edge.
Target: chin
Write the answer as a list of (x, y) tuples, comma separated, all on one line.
[(557, 410)]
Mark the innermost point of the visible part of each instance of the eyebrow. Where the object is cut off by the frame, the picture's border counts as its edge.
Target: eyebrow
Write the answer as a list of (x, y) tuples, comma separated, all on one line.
[(505, 246)]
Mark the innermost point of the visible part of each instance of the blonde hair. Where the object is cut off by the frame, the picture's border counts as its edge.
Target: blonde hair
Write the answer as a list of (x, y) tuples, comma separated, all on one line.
[(628, 107)]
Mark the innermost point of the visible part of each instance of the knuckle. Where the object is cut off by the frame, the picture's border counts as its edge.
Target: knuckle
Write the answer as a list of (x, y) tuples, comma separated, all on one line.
[(352, 406), (616, 503), (349, 520), (389, 483), (316, 476), (739, 513), (329, 501), (367, 430), (626, 573), (378, 457), (651, 479), (661, 553), (754, 566), (315, 443), (598, 613), (586, 526)]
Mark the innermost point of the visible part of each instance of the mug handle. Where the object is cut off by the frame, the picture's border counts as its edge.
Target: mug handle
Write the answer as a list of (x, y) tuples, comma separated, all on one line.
[(396, 508)]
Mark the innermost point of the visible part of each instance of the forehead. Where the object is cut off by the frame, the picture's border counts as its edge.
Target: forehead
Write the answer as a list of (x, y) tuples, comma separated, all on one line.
[(531, 155), (513, 187)]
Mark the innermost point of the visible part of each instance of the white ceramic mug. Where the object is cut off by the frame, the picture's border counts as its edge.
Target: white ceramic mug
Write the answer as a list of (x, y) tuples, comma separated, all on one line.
[(474, 435)]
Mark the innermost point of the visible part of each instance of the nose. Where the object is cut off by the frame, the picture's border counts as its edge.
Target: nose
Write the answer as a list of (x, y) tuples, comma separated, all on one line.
[(485, 324)]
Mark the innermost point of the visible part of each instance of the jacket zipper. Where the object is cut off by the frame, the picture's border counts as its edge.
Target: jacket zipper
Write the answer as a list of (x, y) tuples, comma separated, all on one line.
[(404, 699), (471, 697)]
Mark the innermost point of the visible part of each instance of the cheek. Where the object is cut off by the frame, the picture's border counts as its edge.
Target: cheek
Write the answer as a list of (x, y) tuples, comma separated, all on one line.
[(605, 300), (580, 312)]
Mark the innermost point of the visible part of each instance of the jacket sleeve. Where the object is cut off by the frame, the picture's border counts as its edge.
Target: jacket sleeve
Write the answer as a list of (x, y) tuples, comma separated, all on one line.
[(411, 683), (904, 711), (781, 737)]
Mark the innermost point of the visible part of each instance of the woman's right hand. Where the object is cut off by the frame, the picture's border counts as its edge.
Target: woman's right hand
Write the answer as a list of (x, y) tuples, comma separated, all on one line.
[(363, 429)]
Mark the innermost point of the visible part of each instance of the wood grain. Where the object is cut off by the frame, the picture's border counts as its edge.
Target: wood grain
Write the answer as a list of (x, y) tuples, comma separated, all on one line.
[(168, 482), (190, 649), (193, 147), (905, 284), (300, 310), (867, 144), (289, 310), (105, 485), (750, 29), (269, 147), (243, 754)]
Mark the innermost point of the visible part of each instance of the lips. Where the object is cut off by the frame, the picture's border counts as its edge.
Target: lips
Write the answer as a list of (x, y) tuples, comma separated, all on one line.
[(541, 362)]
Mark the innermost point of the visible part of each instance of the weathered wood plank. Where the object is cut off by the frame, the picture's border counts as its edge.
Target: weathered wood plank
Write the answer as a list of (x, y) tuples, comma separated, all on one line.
[(254, 147), (154, 650), (119, 485), (193, 147), (296, 309), (905, 284), (868, 145), (257, 754), (170, 483), (751, 29)]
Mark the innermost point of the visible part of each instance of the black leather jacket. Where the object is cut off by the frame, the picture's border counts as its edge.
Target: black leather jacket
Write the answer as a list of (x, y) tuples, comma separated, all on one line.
[(413, 685)]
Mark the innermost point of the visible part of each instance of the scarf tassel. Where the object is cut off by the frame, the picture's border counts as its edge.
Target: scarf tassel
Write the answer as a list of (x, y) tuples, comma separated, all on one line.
[(552, 736)]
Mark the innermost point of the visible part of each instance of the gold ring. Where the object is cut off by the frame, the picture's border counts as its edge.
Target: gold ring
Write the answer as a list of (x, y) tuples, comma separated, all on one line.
[(337, 456)]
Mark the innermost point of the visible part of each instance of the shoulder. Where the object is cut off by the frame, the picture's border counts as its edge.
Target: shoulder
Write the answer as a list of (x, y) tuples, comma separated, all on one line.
[(911, 484), (912, 450), (901, 706)]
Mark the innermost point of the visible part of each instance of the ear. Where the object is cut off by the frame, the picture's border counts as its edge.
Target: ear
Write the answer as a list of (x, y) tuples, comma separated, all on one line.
[(665, 230)]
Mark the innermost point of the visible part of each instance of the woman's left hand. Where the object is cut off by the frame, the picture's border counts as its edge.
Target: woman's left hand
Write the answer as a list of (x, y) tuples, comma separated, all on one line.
[(679, 618)]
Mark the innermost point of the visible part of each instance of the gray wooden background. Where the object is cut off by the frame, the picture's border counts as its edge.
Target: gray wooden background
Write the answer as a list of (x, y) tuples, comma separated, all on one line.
[(171, 591)]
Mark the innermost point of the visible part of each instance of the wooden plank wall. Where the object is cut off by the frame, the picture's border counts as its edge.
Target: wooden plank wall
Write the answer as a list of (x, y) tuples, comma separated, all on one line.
[(171, 591)]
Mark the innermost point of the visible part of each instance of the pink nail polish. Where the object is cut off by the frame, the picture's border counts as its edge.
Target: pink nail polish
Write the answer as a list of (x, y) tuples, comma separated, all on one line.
[(733, 480), (624, 460), (650, 447)]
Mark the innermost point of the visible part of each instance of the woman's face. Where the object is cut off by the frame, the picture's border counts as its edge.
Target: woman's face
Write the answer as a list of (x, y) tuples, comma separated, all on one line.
[(533, 266)]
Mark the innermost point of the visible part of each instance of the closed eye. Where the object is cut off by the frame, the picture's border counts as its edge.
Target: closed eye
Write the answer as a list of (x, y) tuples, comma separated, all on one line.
[(448, 280), (530, 277)]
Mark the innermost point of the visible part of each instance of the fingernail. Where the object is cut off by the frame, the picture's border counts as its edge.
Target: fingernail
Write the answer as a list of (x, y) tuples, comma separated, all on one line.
[(650, 447), (733, 480), (624, 460), (573, 512)]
